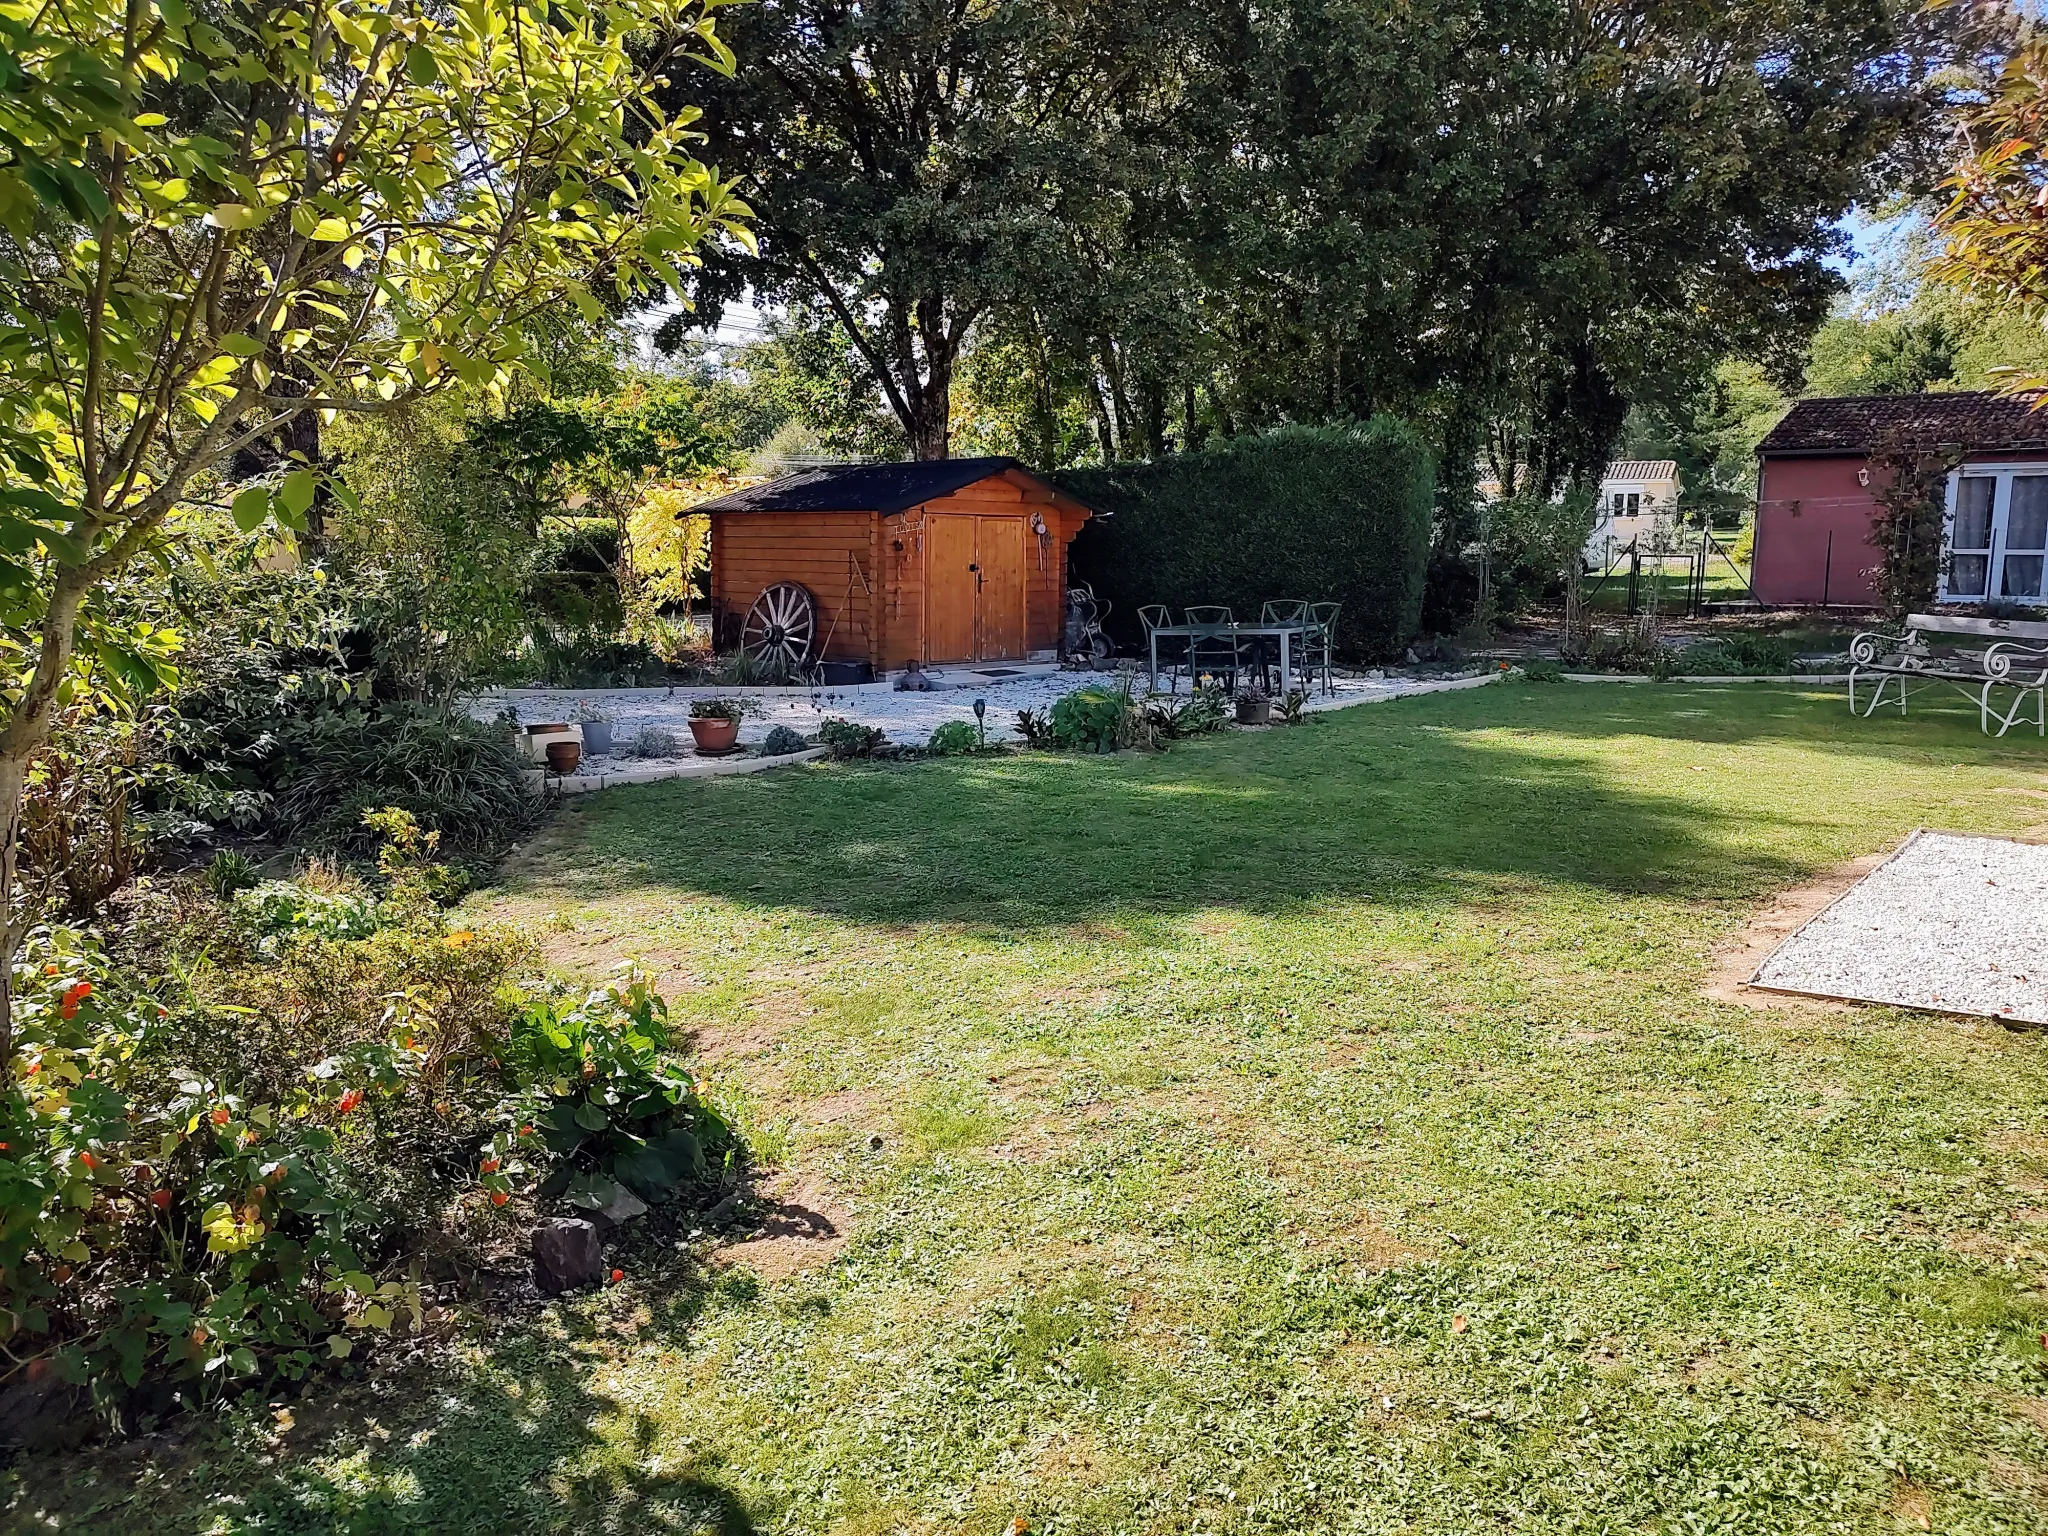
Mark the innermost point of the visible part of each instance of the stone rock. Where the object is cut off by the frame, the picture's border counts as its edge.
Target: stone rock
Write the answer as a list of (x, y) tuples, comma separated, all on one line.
[(625, 1206), (566, 1256)]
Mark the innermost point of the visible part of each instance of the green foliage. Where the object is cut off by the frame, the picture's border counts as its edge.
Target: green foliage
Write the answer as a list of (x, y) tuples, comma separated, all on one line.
[(458, 776), (1534, 540), (1734, 655), (229, 873), (606, 1106), (1336, 514), (232, 1183), (1204, 711), (1098, 718), (781, 741), (846, 739), (1035, 729), (954, 738), (720, 709), (218, 225)]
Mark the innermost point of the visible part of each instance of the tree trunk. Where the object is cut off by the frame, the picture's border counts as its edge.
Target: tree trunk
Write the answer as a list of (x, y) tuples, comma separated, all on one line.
[(13, 780)]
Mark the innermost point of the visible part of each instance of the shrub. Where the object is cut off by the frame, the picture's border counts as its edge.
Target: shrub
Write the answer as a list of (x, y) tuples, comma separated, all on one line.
[(604, 1106), (849, 739), (1102, 719), (242, 1181), (719, 709), (659, 741), (458, 777), (1334, 514), (953, 739), (1736, 655), (1035, 729), (782, 741), (228, 873)]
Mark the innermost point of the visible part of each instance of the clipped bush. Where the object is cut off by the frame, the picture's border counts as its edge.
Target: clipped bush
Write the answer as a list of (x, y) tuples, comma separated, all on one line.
[(1327, 514), (781, 741)]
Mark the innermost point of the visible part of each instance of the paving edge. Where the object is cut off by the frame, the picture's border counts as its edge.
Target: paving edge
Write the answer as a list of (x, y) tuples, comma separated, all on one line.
[(704, 768), (1643, 677)]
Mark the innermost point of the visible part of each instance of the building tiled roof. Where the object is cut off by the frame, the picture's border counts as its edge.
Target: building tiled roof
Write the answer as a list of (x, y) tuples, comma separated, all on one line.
[(861, 487), (1973, 420), (1642, 469)]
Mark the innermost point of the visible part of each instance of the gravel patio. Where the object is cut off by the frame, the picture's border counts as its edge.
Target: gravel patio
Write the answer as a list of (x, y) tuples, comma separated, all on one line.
[(651, 726)]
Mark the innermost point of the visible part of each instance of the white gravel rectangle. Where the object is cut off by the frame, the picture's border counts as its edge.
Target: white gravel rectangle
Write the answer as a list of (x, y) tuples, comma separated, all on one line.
[(1953, 924)]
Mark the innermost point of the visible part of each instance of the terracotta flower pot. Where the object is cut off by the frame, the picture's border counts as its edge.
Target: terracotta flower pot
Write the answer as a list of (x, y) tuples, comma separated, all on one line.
[(563, 756), (715, 735)]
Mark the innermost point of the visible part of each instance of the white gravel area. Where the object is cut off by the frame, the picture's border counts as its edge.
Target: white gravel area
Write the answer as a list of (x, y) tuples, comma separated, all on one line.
[(1955, 924), (908, 718)]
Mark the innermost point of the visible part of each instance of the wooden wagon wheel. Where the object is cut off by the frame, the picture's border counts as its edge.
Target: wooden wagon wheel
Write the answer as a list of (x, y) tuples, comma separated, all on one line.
[(782, 626)]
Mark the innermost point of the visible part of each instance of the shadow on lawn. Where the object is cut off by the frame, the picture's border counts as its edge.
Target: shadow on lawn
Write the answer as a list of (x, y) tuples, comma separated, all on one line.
[(524, 1442), (1413, 804)]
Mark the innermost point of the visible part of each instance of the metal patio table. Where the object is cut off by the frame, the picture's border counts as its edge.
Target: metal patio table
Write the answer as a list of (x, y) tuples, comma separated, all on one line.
[(1290, 637)]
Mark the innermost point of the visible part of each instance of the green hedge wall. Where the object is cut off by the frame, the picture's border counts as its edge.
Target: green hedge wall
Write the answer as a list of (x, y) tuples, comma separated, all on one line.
[(1331, 514)]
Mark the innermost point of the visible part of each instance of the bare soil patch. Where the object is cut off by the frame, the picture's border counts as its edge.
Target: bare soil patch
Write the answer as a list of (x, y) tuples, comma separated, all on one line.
[(805, 1226), (1737, 959)]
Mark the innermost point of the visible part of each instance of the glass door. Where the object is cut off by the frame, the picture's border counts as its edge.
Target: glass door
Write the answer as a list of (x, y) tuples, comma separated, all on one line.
[(1969, 540), (2026, 537)]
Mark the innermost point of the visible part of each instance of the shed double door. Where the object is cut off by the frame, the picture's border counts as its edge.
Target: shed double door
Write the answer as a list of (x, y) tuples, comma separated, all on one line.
[(974, 589)]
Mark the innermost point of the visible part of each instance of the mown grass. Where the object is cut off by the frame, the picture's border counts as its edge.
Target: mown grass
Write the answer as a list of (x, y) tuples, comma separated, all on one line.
[(1321, 1130)]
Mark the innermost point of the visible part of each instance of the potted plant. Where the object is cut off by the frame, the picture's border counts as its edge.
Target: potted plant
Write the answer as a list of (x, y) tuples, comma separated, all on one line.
[(597, 728), (1253, 707), (716, 724)]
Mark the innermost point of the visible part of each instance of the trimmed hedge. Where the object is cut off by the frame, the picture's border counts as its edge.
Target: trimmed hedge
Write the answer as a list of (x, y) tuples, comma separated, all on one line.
[(1330, 514)]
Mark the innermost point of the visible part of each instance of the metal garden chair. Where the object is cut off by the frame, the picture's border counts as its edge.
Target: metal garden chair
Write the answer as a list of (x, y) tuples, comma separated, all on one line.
[(1279, 610), (1214, 655), (1319, 648), (1172, 650)]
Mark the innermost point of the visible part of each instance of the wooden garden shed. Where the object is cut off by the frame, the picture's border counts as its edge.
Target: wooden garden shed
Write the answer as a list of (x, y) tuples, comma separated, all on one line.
[(953, 560)]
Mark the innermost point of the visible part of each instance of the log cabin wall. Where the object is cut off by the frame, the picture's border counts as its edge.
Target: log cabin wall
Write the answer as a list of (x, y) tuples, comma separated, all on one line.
[(832, 553), (873, 578)]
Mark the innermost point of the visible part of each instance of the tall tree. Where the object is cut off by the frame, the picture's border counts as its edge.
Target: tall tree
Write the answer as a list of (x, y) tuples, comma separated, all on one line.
[(216, 222), (910, 165)]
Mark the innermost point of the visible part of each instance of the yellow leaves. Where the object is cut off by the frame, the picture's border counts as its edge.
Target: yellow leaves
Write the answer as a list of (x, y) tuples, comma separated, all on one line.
[(236, 216), (228, 1231)]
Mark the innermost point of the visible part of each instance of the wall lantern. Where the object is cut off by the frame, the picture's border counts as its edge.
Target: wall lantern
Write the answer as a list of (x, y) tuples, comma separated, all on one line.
[(1863, 475)]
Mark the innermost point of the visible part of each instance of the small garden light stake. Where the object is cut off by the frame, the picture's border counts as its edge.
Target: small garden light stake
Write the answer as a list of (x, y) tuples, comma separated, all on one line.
[(981, 719)]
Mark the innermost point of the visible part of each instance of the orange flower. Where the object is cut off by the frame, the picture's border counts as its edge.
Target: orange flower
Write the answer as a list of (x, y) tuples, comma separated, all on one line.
[(618, 1275), (488, 1165), (459, 939), (160, 1198), (221, 1115), (348, 1102), (526, 1130), (51, 970), (88, 1159), (499, 1197), (33, 1068)]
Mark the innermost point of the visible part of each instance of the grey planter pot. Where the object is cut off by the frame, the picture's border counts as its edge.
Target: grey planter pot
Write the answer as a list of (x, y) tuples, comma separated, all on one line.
[(597, 737)]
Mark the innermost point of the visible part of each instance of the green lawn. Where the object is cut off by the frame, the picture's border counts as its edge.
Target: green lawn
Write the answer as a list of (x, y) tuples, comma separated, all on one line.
[(1321, 1130)]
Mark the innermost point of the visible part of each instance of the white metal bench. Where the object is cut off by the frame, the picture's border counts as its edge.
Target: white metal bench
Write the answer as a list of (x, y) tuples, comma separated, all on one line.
[(1975, 656)]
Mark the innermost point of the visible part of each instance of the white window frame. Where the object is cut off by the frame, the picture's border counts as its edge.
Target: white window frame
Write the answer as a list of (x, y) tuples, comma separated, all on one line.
[(2001, 505)]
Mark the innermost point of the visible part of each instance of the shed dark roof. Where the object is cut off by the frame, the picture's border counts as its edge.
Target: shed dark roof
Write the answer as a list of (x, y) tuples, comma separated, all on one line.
[(1975, 421), (861, 487)]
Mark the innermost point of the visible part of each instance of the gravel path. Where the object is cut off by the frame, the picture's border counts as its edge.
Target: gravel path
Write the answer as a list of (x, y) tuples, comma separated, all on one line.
[(908, 718), (1951, 923)]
